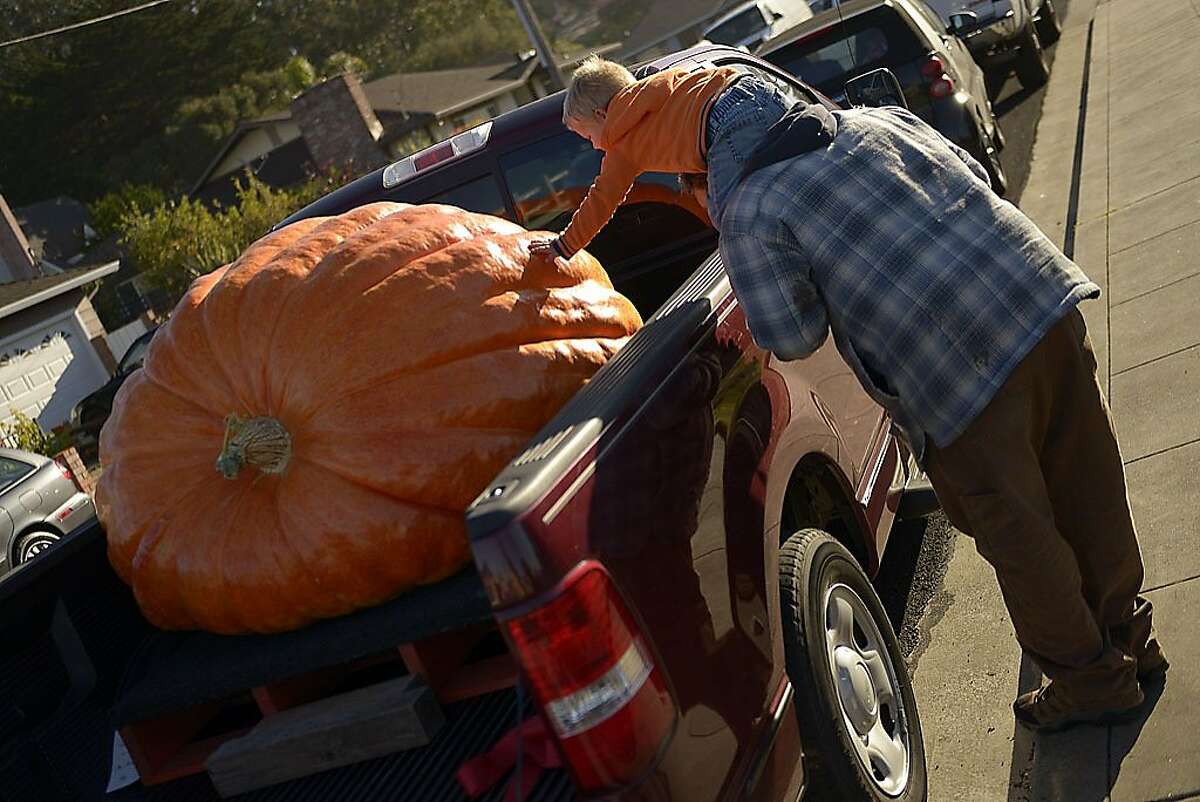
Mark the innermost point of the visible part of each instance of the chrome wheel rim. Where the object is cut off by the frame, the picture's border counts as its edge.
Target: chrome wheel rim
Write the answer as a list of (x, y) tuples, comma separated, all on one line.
[(34, 545), (868, 690)]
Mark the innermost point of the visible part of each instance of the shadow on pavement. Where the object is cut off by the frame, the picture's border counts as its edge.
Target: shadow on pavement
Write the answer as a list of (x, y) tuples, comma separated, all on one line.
[(1122, 738), (1078, 765), (1011, 102)]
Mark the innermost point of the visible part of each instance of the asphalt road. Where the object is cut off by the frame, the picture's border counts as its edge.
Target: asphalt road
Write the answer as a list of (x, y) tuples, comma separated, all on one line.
[(918, 552), (1018, 111)]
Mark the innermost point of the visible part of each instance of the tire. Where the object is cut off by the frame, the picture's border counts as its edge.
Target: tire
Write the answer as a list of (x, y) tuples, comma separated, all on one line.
[(1049, 24), (999, 138), (32, 543), (837, 690), (987, 153), (1032, 69)]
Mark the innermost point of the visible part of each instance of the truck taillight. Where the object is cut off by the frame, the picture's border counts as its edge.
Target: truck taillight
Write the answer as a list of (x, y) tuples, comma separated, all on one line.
[(595, 680), (940, 83), (468, 141)]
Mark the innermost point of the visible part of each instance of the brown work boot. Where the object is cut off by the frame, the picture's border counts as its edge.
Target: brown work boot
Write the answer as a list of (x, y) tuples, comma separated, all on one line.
[(1049, 708), (1152, 663), (1136, 638)]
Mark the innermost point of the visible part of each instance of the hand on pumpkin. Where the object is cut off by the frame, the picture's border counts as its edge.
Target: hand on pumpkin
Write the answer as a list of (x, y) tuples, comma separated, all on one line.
[(544, 249)]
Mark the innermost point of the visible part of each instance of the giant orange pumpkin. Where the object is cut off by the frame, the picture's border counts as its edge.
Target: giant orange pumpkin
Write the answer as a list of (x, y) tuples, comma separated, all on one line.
[(313, 420)]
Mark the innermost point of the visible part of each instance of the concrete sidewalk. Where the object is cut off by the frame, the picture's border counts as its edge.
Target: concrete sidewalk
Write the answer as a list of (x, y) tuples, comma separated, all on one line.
[(1125, 201)]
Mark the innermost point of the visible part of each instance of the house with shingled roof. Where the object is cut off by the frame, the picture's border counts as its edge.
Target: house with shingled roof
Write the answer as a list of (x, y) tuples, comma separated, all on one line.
[(53, 350), (370, 124)]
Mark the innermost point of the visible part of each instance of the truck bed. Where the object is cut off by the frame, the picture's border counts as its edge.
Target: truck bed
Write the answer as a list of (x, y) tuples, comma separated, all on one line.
[(79, 662)]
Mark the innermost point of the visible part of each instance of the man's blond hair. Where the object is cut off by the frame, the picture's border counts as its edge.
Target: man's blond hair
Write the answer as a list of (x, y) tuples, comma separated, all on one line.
[(593, 85)]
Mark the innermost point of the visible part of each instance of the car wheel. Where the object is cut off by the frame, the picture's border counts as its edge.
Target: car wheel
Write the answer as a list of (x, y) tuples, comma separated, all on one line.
[(987, 153), (1049, 24), (854, 699), (997, 132), (33, 543), (1032, 69)]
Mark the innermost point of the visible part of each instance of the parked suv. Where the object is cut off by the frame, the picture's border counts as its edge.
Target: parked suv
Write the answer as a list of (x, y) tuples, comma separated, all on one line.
[(1004, 34), (91, 411), (941, 83)]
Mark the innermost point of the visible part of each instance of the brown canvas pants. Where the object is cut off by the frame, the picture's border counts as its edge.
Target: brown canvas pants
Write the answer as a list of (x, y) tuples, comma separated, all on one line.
[(1037, 480)]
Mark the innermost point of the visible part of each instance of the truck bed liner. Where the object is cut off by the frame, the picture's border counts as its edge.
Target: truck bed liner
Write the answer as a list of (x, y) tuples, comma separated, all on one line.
[(419, 775), (58, 749), (174, 670)]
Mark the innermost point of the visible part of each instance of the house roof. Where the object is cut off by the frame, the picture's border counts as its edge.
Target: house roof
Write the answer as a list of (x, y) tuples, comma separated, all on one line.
[(668, 17), (239, 131), (288, 164), (54, 227), (18, 295), (444, 92), (404, 100)]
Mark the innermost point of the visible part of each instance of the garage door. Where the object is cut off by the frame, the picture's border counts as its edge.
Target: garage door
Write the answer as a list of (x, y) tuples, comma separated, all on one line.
[(46, 369)]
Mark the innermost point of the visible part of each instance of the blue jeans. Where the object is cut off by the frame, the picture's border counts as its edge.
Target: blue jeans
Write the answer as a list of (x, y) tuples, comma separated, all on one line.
[(737, 122)]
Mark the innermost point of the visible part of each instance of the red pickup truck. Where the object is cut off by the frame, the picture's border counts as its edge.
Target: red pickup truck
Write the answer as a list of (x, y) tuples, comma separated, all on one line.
[(677, 564)]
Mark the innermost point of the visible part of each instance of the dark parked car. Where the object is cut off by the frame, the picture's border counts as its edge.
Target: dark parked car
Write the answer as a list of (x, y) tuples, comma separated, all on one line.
[(39, 504), (673, 575), (941, 83), (1005, 34), (89, 415)]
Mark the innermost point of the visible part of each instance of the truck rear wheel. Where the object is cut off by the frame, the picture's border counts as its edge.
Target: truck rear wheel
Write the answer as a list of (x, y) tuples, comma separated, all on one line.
[(854, 699)]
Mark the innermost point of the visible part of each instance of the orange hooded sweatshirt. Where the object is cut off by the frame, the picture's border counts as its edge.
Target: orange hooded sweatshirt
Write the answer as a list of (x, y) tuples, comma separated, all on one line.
[(656, 124)]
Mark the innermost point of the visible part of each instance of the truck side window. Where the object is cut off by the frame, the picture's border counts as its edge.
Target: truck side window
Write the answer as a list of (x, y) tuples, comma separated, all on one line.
[(480, 195), (550, 178)]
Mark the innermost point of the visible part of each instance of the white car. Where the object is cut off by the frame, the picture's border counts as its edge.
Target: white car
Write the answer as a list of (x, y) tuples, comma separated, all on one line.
[(750, 24)]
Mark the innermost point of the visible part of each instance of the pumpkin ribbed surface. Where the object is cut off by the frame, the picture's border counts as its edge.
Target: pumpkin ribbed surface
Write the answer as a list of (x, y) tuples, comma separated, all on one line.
[(313, 420)]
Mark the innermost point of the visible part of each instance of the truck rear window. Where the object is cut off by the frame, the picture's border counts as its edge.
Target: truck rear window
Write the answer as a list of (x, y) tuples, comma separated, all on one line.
[(480, 195), (879, 38), (659, 229)]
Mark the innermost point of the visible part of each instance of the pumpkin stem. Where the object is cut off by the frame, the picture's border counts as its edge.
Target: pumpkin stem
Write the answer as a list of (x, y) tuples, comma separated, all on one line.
[(261, 442)]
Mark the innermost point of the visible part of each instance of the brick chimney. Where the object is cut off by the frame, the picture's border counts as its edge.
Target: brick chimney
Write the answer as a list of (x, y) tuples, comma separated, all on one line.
[(339, 125), (16, 259)]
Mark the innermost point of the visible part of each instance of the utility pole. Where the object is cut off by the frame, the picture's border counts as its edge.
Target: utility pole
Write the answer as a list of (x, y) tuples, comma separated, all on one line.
[(545, 54)]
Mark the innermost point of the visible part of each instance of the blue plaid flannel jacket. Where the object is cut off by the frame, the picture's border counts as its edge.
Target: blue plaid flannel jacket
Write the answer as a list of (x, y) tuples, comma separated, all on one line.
[(934, 287)]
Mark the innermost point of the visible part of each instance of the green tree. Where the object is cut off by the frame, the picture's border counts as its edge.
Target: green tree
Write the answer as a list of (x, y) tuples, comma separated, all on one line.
[(177, 242), (146, 98), (73, 102), (107, 213), (23, 432)]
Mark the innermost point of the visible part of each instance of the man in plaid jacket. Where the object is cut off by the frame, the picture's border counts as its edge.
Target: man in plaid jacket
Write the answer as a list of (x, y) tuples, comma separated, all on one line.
[(959, 317)]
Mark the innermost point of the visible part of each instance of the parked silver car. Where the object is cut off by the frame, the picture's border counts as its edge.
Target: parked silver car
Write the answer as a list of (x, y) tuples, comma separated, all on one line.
[(39, 504)]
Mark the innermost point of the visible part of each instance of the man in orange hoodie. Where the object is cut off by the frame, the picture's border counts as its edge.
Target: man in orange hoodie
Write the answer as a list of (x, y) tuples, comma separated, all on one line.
[(672, 121)]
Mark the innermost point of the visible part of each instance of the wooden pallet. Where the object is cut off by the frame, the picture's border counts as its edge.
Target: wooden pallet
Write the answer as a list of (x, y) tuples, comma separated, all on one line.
[(390, 716), (455, 666)]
